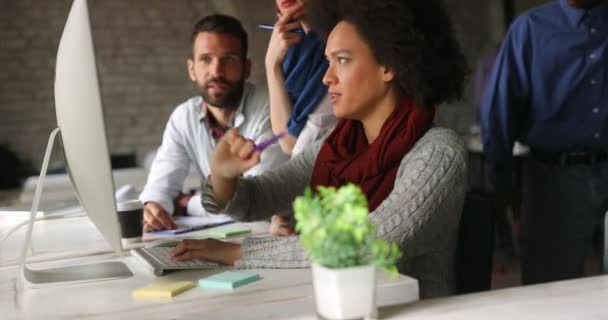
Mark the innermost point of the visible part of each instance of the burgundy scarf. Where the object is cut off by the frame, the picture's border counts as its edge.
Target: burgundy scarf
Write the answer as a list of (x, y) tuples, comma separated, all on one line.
[(346, 155)]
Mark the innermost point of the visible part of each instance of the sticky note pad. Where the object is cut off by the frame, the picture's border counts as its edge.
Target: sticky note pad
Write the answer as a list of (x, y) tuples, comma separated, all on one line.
[(230, 232), (163, 289), (228, 280)]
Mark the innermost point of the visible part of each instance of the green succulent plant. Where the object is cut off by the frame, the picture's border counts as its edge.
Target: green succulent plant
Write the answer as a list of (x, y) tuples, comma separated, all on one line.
[(336, 232)]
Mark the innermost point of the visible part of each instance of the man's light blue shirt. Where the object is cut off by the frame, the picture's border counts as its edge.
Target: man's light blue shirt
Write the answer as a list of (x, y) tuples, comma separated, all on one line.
[(549, 85)]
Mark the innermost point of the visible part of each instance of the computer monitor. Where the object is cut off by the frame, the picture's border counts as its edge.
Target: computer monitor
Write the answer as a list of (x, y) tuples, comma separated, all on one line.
[(80, 118), (81, 123)]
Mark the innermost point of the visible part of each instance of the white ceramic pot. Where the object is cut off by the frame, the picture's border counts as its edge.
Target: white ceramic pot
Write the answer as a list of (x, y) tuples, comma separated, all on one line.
[(345, 293)]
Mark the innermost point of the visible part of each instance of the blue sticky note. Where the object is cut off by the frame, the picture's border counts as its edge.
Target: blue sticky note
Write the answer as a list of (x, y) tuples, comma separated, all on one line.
[(228, 280)]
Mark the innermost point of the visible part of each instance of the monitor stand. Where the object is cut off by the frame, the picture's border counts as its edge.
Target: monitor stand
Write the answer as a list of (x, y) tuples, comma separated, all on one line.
[(70, 274)]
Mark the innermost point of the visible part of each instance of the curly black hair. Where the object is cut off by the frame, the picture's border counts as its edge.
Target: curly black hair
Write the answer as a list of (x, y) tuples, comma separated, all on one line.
[(415, 38)]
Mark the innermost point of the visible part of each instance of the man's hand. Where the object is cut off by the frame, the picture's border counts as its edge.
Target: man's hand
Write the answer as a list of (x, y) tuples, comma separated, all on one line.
[(280, 226), (213, 250), (180, 203), (156, 218)]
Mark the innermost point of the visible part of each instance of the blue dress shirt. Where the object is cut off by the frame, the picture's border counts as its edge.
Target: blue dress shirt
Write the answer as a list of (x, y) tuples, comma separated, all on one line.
[(549, 85)]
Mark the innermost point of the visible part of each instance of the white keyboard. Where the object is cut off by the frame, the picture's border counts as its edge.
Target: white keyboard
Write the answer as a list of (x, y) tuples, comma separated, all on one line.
[(158, 260), (161, 254)]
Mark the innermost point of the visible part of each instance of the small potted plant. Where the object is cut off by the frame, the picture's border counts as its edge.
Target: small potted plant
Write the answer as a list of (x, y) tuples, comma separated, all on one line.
[(344, 250)]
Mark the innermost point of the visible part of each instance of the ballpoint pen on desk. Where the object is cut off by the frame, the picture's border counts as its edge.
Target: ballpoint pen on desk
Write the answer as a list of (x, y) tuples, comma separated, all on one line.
[(189, 229), (264, 144), (271, 27)]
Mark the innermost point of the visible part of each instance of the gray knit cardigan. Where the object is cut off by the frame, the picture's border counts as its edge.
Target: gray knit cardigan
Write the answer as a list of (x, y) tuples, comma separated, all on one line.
[(421, 214)]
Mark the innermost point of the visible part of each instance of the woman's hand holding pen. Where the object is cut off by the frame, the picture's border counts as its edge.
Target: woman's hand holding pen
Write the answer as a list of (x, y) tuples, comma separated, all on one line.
[(283, 35), (233, 155)]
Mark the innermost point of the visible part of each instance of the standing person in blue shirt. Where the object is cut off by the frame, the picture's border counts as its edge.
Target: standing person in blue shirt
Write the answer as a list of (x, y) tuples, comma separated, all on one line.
[(299, 104), (549, 90)]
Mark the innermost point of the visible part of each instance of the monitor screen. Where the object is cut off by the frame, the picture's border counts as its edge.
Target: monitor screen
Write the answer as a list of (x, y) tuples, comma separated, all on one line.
[(80, 118)]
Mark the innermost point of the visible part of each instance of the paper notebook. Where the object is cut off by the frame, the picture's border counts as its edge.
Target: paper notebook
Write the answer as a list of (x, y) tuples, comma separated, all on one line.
[(163, 289), (228, 280), (189, 224)]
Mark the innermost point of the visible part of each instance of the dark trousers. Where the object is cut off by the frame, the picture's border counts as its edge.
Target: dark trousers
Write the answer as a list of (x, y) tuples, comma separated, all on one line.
[(563, 206)]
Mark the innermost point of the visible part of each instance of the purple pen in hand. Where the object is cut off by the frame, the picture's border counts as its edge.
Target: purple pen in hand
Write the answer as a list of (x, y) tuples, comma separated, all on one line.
[(271, 27), (264, 144)]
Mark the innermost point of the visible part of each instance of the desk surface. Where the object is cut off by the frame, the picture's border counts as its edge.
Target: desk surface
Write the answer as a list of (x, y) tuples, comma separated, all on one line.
[(73, 237), (565, 300), (475, 144), (285, 293), (9, 197), (51, 239), (59, 186), (291, 288), (112, 299)]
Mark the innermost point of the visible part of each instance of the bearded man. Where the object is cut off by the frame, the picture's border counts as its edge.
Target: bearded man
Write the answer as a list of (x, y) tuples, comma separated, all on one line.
[(218, 67)]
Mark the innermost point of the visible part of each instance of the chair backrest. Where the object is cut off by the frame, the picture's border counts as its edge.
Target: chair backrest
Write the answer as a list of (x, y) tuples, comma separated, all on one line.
[(9, 162), (475, 247), (605, 260)]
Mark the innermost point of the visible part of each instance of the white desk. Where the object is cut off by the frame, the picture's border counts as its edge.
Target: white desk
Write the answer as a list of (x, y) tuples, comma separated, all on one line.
[(474, 143), (112, 299), (59, 186), (288, 291), (281, 294), (585, 298), (71, 237)]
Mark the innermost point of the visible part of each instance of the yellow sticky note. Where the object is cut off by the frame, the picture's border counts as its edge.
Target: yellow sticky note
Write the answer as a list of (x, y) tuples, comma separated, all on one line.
[(163, 289)]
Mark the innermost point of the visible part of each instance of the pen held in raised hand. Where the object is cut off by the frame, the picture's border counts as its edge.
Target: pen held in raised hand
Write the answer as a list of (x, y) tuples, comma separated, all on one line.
[(265, 144), (271, 27)]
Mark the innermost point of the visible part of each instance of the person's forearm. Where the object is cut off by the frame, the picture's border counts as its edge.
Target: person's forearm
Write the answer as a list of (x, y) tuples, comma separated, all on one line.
[(280, 106), (223, 189), (272, 252)]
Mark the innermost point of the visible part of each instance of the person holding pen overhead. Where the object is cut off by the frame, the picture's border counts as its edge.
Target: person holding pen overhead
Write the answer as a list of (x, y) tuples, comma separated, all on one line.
[(218, 69), (299, 104), (389, 64), (295, 65)]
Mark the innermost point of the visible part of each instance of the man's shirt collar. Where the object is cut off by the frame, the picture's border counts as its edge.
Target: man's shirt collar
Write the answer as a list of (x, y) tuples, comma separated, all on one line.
[(577, 15)]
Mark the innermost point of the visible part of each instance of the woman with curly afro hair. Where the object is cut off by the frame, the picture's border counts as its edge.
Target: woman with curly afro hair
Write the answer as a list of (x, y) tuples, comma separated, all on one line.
[(390, 64)]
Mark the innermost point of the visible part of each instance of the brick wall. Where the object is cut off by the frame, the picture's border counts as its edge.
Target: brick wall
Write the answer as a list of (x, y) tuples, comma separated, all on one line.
[(141, 51), (141, 48)]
